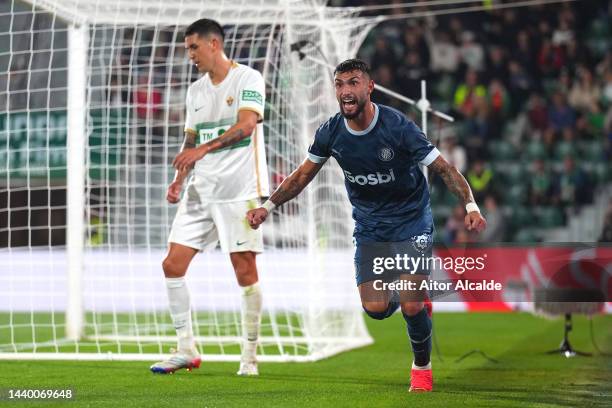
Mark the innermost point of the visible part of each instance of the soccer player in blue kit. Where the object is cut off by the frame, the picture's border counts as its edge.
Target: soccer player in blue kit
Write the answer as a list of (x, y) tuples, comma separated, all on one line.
[(379, 151)]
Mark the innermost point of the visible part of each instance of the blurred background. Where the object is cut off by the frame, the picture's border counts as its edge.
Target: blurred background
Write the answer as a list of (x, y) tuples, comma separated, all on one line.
[(531, 91), (530, 88)]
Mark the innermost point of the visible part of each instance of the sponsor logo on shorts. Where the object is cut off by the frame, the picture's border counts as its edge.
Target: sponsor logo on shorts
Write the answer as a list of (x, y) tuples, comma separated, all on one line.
[(238, 243)]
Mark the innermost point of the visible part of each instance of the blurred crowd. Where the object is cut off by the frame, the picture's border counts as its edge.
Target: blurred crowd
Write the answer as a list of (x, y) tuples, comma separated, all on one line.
[(531, 89)]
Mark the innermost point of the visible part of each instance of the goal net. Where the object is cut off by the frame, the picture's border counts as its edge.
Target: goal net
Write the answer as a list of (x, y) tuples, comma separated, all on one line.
[(91, 115)]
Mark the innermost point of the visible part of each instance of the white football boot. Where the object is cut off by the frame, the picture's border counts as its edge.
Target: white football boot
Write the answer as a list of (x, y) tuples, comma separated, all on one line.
[(248, 360), (177, 361)]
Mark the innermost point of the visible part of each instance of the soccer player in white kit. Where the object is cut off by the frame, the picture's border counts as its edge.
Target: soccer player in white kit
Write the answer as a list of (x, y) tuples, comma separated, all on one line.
[(224, 144)]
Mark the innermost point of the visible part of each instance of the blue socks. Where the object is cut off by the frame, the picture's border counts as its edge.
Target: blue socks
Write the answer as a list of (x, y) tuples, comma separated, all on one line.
[(419, 333), (419, 330)]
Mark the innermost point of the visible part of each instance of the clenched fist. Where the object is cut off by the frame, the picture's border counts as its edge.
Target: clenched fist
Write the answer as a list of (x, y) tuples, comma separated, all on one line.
[(256, 217), (475, 221), (174, 192)]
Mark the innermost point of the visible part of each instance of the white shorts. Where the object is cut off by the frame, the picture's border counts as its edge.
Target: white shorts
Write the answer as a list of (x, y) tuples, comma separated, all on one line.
[(201, 225)]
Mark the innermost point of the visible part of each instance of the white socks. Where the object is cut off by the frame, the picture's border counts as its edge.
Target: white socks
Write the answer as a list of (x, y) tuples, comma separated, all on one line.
[(416, 367), (251, 318), (180, 310)]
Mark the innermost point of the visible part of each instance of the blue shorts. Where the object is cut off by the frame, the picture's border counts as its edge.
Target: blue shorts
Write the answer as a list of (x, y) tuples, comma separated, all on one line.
[(387, 251)]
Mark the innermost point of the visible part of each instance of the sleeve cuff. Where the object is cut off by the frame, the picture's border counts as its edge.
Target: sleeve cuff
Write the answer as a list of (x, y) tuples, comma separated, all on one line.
[(249, 108), (316, 159), (433, 155)]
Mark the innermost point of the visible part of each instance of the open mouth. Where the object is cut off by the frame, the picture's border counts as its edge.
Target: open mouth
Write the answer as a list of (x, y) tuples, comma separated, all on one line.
[(349, 102)]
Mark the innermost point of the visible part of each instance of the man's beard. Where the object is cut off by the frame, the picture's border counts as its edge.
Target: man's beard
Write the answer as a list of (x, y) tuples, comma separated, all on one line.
[(360, 107)]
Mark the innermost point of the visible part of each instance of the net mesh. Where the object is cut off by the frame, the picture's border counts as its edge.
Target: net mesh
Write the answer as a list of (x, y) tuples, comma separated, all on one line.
[(136, 81)]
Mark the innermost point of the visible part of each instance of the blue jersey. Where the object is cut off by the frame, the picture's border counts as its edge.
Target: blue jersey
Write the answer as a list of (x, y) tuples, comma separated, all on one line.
[(381, 169)]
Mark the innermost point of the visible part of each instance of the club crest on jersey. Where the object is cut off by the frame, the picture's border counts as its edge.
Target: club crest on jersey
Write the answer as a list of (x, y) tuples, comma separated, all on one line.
[(421, 242), (385, 154), (229, 101)]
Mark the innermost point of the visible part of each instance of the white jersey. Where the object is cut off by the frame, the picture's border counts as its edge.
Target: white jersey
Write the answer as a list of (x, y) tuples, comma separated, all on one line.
[(237, 172)]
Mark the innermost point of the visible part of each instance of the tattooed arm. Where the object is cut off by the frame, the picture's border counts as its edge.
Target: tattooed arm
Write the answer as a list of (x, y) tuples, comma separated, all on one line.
[(289, 188), (454, 180), (295, 183), (174, 190), (247, 121), (188, 143), (459, 186)]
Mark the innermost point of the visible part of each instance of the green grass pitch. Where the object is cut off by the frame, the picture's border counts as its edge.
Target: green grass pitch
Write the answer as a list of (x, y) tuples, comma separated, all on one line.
[(375, 376)]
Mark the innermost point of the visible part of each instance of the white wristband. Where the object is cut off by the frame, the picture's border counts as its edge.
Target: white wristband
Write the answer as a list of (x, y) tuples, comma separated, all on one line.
[(269, 206), (471, 207)]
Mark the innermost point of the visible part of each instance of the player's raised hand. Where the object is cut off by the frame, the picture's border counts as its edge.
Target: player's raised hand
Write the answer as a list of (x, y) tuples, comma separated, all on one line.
[(474, 221), (187, 158), (256, 217), (174, 192)]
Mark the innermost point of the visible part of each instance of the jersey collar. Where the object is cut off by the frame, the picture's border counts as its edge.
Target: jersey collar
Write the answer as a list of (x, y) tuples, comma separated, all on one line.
[(232, 66), (366, 130)]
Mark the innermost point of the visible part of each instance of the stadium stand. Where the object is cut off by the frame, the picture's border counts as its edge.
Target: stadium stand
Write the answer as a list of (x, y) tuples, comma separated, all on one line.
[(531, 88), (534, 103)]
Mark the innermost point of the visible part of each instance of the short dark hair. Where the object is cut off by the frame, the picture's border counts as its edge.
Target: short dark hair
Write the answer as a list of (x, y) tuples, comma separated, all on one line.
[(353, 64), (205, 26)]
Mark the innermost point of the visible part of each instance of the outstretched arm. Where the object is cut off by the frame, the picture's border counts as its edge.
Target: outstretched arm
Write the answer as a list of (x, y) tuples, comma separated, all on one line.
[(289, 188), (459, 186), (295, 183)]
